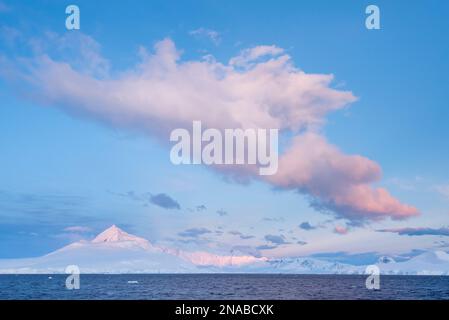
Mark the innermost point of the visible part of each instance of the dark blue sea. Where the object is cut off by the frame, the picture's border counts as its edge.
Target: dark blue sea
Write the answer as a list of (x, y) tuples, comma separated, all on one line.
[(222, 286)]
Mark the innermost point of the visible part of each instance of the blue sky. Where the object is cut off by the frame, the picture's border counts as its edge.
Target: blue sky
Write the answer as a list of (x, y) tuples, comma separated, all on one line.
[(62, 168)]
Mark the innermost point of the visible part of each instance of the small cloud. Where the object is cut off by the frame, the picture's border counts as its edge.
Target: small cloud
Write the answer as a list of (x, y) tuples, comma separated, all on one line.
[(78, 229), (194, 232), (278, 240), (303, 243), (245, 250), (164, 201), (444, 231), (130, 195), (443, 190), (266, 247), (241, 235), (249, 57), (306, 226), (4, 7), (221, 212), (212, 35), (408, 185), (341, 230), (9, 35), (69, 236), (201, 207), (133, 196), (33, 234), (268, 219)]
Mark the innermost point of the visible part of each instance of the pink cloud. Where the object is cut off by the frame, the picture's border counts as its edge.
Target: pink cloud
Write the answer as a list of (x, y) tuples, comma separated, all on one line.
[(259, 88), (213, 35), (340, 230), (337, 181), (162, 93)]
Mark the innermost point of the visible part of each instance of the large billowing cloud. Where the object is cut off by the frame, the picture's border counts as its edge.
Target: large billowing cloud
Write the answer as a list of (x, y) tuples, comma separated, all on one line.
[(162, 93), (259, 88)]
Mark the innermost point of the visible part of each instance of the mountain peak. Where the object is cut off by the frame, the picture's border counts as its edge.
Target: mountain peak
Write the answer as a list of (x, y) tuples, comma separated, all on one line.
[(115, 234)]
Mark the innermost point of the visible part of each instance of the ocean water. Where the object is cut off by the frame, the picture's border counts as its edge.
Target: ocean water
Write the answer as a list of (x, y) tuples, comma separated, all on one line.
[(222, 286)]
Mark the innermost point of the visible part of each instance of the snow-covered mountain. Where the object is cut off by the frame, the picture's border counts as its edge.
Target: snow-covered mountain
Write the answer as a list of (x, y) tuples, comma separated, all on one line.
[(115, 251), (112, 251), (427, 263)]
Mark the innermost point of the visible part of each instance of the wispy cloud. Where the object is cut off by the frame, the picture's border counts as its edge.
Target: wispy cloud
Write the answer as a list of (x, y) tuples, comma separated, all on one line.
[(241, 235), (162, 200), (4, 7), (406, 184), (249, 57), (222, 212), (443, 231), (273, 219), (266, 247), (55, 209), (443, 190), (210, 34), (201, 207), (78, 229)]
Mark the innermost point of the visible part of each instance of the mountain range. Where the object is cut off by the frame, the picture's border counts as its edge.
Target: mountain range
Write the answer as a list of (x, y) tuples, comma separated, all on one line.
[(116, 251)]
